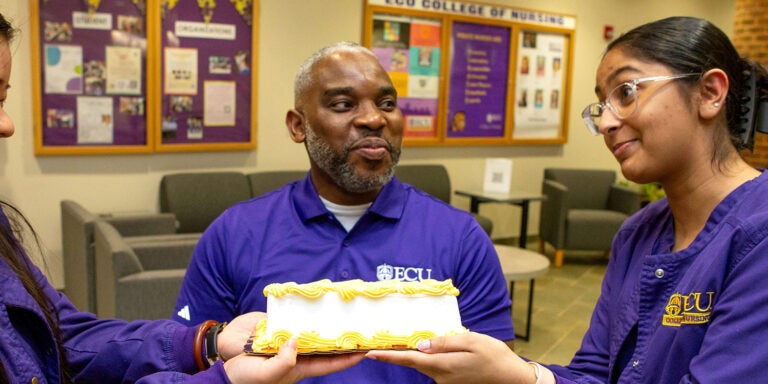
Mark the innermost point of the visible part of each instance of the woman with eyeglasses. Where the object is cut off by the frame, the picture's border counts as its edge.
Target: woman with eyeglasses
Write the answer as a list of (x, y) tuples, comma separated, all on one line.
[(45, 339), (685, 294)]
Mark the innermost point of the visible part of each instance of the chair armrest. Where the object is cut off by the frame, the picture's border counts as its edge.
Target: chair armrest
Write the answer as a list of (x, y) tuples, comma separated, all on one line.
[(485, 223), (142, 224), (554, 210), (148, 295), (623, 199), (164, 251), (113, 259)]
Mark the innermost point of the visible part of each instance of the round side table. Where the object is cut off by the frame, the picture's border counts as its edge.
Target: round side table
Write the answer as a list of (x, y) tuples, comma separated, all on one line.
[(521, 264)]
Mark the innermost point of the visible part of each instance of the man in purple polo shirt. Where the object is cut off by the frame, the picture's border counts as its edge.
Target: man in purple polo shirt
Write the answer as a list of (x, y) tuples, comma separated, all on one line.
[(349, 219)]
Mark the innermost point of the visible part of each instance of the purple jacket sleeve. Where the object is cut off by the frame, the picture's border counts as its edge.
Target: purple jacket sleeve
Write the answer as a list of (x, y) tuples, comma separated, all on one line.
[(214, 374), (116, 351)]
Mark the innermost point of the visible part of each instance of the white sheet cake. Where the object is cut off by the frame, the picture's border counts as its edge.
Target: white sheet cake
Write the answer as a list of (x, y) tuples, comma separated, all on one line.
[(333, 317)]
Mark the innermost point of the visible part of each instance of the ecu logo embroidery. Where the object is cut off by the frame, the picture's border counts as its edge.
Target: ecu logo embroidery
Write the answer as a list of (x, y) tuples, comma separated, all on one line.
[(694, 308)]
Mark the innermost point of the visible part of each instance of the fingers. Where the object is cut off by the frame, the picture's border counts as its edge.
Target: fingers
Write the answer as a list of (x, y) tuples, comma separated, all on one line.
[(236, 334), (276, 369), (413, 359), (287, 354), (454, 343), (291, 367), (286, 366), (323, 365), (282, 367), (465, 358)]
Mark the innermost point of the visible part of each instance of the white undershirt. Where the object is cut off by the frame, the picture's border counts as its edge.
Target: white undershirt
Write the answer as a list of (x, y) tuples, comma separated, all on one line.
[(347, 215)]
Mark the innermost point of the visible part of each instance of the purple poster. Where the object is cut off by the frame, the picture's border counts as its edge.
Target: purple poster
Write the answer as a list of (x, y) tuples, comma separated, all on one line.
[(478, 80)]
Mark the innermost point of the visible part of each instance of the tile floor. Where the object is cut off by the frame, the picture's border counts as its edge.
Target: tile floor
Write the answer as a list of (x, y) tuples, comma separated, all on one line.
[(562, 305)]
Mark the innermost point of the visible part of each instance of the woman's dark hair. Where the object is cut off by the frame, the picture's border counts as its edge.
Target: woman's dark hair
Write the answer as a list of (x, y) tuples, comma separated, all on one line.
[(7, 31), (13, 253), (693, 45)]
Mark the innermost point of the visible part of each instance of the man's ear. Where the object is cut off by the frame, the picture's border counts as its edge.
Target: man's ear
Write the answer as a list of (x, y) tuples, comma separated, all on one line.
[(294, 121), (714, 89)]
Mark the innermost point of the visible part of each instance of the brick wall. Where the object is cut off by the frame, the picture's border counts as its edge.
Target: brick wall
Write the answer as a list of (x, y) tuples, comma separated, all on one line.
[(750, 37)]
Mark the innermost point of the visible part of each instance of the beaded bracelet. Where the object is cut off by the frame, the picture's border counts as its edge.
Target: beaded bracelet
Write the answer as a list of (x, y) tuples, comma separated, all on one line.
[(198, 343)]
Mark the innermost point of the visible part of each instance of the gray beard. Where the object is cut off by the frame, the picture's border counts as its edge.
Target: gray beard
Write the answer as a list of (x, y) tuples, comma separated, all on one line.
[(340, 170)]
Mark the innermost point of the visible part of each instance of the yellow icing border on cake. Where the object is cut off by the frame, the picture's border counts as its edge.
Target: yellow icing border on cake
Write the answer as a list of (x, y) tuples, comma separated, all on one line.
[(312, 342), (348, 290)]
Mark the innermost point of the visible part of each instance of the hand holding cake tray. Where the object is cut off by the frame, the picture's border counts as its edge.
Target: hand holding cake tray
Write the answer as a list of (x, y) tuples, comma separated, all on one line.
[(355, 316)]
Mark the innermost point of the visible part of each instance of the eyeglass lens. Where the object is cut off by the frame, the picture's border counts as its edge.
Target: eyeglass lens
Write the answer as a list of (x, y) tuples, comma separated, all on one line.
[(622, 101)]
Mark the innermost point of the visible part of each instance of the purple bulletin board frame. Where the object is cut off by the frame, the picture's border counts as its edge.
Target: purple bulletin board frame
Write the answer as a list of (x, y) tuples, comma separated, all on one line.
[(83, 104), (207, 103)]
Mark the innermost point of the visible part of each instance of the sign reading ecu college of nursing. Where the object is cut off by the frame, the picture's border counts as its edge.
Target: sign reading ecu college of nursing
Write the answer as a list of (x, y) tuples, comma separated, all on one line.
[(474, 73)]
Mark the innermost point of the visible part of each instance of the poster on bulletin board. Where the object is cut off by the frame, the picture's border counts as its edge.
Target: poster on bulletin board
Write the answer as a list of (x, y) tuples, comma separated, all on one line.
[(539, 87), (409, 49), (478, 80)]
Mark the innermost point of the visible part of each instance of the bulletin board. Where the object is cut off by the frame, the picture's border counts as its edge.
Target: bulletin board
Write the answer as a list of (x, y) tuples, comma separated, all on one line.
[(469, 73), (89, 77), (102, 83), (208, 66)]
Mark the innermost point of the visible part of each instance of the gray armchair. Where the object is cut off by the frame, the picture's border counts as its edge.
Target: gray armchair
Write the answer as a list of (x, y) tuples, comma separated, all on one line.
[(77, 245), (434, 180), (263, 182), (199, 198), (127, 285), (583, 210)]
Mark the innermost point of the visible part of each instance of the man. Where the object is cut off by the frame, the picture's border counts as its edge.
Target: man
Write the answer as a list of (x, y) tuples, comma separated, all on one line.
[(349, 219)]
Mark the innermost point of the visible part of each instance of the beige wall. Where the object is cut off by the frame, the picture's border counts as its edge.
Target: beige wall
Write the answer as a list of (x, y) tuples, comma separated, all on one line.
[(291, 30)]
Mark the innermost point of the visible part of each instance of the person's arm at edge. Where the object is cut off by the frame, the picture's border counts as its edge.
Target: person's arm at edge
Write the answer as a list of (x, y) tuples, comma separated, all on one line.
[(467, 358)]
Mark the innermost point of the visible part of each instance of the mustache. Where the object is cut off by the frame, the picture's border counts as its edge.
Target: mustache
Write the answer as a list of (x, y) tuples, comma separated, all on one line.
[(365, 140), (394, 152)]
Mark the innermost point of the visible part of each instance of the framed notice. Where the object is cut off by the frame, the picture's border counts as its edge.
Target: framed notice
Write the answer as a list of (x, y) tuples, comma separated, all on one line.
[(207, 70), (90, 77), (470, 73), (540, 85)]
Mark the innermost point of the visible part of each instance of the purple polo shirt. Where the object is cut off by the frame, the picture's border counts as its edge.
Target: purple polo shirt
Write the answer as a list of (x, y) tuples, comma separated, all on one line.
[(699, 315), (288, 235)]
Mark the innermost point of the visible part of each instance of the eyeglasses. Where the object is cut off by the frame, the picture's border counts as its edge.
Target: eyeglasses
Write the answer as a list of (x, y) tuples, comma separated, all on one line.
[(621, 101)]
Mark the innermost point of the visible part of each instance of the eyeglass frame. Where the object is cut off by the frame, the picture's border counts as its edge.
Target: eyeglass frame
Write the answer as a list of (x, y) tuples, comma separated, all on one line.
[(588, 117)]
